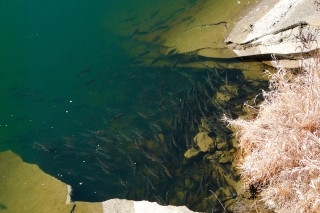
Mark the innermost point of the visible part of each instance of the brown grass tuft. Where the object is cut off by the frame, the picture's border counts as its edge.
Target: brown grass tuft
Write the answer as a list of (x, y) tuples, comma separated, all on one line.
[(281, 146)]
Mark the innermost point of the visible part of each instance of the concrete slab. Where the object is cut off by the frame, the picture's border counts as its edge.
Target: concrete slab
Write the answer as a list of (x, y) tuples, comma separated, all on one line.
[(279, 27)]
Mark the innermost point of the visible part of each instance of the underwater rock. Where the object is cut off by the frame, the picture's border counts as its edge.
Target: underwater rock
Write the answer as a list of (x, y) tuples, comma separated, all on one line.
[(226, 93), (222, 144), (204, 142), (191, 153), (205, 125), (223, 156)]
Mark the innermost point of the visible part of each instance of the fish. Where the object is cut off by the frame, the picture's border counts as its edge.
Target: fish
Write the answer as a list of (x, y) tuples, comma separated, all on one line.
[(157, 38), (153, 158), (155, 60), (161, 103), (87, 83), (185, 19), (142, 54), (138, 145), (84, 72), (41, 146), (131, 161), (150, 182), (139, 134), (150, 124), (97, 133), (142, 115), (172, 51), (105, 139), (122, 182), (116, 117), (163, 27), (125, 137), (133, 73), (127, 19), (151, 172), (160, 86), (174, 140), (166, 170), (135, 32), (205, 105)]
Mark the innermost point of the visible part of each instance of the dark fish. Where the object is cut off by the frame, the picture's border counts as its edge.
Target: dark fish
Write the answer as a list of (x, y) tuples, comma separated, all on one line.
[(160, 86), (138, 145), (161, 103), (143, 53), (83, 72), (127, 20), (116, 117), (157, 38), (163, 27), (206, 91), (135, 32), (205, 105), (172, 51), (185, 198), (150, 182), (177, 92), (155, 60), (209, 80), (175, 64), (87, 83), (133, 73), (174, 140), (185, 19), (152, 15)]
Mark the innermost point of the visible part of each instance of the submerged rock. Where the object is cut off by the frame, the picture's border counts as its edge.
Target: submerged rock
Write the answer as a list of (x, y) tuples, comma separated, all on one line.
[(223, 156), (226, 93), (204, 142), (191, 153)]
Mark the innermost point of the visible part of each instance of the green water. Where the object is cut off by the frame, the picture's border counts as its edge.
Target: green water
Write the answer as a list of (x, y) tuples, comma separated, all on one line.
[(72, 104)]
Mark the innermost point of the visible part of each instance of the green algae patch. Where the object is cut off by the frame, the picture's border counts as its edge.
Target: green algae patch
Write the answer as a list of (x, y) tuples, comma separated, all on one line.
[(25, 188)]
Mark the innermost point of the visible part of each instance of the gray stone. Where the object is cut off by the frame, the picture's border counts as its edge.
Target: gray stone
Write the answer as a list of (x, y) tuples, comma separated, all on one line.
[(273, 26), (126, 206)]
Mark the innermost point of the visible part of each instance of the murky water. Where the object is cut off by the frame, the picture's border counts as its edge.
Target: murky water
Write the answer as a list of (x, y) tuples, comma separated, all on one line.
[(78, 104)]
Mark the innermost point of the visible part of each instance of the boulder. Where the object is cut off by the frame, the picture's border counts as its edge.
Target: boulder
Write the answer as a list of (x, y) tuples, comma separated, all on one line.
[(191, 153), (204, 142), (277, 27)]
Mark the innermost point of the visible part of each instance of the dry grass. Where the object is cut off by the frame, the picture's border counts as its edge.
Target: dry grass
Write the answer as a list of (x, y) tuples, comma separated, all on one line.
[(281, 146)]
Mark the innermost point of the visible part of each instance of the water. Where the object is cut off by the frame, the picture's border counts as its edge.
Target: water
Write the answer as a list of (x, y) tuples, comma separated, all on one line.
[(77, 103)]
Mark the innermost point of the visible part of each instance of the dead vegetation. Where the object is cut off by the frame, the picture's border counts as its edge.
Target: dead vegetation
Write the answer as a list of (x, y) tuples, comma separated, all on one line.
[(281, 146)]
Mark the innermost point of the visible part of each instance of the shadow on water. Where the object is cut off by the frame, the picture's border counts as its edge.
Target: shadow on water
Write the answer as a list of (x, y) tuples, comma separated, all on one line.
[(113, 127)]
